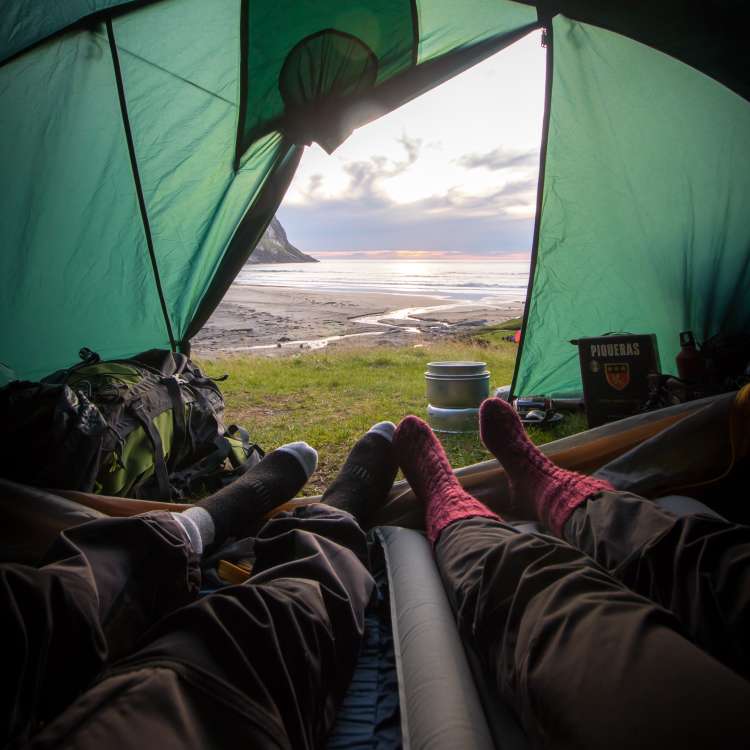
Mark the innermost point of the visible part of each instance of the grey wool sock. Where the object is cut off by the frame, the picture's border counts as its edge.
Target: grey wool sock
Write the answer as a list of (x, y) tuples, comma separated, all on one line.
[(304, 453), (233, 510), (198, 525), (367, 475)]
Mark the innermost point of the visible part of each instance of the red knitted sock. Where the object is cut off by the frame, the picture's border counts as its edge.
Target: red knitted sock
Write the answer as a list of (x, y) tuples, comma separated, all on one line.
[(426, 467), (542, 490)]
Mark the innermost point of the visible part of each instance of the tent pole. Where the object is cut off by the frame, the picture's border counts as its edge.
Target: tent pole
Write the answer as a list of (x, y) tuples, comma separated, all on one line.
[(414, 32), (239, 146), (137, 180), (548, 41)]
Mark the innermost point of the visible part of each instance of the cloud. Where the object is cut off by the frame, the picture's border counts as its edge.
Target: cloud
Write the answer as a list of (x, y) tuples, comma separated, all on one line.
[(362, 177), (419, 179), (369, 206), (314, 183), (356, 226), (364, 218), (365, 176), (412, 145), (500, 158), (365, 197), (370, 184), (513, 194)]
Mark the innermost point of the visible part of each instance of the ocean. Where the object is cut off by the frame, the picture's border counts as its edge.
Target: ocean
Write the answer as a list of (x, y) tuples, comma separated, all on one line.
[(491, 281)]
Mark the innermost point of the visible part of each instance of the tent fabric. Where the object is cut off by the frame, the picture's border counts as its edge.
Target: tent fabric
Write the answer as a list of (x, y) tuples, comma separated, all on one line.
[(319, 74), (709, 35), (64, 285), (182, 53), (142, 155), (325, 43), (24, 23), (644, 223), (76, 258), (442, 30), (147, 144)]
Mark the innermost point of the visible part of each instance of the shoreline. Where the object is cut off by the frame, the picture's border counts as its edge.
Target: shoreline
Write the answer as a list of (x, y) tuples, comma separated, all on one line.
[(273, 321)]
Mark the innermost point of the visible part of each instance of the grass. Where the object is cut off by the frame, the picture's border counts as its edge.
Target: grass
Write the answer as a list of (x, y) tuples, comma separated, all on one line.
[(331, 397)]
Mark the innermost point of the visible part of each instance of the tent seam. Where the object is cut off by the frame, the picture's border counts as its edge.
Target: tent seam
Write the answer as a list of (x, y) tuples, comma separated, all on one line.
[(242, 109), (137, 180), (415, 32), (547, 31), (174, 75), (83, 22)]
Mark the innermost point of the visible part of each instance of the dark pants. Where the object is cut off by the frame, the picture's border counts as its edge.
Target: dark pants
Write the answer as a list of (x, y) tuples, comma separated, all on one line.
[(109, 646), (639, 642)]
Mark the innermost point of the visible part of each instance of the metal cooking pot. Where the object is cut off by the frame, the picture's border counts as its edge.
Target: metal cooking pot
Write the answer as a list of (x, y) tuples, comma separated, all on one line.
[(457, 385), (452, 420)]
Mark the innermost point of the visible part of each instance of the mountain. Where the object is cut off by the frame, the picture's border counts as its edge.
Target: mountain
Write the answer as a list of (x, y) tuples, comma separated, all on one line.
[(274, 247)]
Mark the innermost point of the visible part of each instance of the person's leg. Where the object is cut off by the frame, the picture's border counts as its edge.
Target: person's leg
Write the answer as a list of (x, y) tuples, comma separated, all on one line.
[(586, 662), (233, 510), (696, 565), (103, 583), (107, 581), (367, 474), (540, 490), (264, 664)]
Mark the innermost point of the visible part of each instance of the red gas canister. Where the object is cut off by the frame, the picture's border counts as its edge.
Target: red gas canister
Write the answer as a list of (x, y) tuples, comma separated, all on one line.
[(690, 362)]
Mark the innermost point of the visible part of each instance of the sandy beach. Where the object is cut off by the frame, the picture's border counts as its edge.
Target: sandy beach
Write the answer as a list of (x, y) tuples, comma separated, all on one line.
[(279, 320)]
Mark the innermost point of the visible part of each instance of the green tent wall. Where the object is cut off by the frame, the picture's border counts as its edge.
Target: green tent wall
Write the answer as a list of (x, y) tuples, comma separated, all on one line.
[(644, 224), (141, 162), (146, 145)]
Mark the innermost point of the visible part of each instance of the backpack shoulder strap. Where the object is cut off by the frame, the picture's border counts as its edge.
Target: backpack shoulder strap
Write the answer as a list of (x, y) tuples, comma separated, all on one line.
[(160, 465)]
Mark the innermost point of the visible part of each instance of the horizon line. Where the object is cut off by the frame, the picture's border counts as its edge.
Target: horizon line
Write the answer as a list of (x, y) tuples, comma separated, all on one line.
[(511, 255)]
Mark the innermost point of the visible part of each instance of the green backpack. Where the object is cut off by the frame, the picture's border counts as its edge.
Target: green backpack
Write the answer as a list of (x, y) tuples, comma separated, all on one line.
[(149, 427)]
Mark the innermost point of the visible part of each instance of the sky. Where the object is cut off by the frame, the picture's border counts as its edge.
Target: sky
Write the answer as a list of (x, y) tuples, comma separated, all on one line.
[(451, 173)]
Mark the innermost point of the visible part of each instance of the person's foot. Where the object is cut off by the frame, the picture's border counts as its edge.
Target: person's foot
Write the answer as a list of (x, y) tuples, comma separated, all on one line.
[(363, 483), (429, 473), (540, 489), (232, 511)]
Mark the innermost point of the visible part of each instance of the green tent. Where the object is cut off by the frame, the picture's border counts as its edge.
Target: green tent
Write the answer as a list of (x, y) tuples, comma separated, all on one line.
[(146, 145)]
